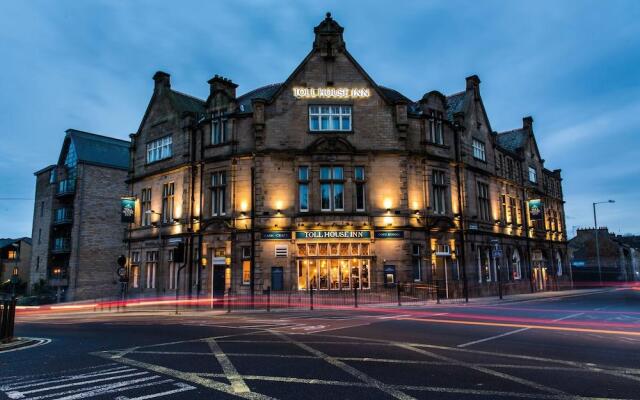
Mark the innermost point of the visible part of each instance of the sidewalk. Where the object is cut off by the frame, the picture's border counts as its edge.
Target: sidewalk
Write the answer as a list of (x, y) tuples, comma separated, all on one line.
[(520, 298), (17, 343)]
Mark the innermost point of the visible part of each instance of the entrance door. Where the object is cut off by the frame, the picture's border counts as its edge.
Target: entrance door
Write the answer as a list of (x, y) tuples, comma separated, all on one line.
[(277, 278), (218, 280)]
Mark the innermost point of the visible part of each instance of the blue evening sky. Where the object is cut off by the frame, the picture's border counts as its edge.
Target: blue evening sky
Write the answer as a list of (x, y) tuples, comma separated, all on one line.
[(573, 65)]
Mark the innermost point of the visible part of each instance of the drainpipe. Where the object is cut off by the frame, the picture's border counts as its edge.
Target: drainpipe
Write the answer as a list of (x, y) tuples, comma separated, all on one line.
[(461, 231)]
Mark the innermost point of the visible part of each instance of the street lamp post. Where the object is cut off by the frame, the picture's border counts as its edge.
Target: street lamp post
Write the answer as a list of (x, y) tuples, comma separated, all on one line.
[(595, 222)]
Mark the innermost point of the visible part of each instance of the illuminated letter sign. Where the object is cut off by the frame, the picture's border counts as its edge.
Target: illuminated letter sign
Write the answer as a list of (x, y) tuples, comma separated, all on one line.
[(331, 93), (536, 210), (388, 234), (333, 235), (276, 235), (127, 209)]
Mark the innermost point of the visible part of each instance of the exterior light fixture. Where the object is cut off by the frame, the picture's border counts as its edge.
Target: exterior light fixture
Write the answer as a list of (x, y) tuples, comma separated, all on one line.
[(388, 211), (417, 212)]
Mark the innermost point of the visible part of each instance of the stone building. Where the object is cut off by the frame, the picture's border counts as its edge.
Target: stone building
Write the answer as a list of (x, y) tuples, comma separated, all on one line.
[(15, 258), (77, 232), (330, 181), (619, 256)]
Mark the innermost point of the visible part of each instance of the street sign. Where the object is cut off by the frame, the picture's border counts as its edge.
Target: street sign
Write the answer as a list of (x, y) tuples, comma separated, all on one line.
[(496, 252), (121, 271)]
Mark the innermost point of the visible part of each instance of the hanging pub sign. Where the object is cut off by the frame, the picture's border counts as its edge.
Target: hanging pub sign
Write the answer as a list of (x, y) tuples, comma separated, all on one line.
[(276, 235), (333, 234), (388, 234), (536, 210), (127, 209)]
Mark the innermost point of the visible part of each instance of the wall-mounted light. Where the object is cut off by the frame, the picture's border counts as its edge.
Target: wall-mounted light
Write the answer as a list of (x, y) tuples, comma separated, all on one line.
[(203, 261), (387, 203), (243, 214), (388, 211), (278, 212), (416, 212)]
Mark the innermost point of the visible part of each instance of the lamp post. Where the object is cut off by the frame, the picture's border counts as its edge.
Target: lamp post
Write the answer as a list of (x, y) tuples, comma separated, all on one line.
[(595, 222)]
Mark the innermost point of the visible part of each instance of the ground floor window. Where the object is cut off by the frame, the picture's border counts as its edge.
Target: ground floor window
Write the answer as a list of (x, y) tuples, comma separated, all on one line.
[(333, 274), (516, 265), (151, 275), (135, 276), (172, 275), (484, 266), (559, 263)]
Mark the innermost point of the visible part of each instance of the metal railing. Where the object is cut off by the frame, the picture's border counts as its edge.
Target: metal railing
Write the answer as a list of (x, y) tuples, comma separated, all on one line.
[(65, 187), (7, 319)]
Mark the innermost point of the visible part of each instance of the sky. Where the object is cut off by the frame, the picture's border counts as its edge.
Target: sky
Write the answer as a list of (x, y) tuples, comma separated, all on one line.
[(572, 65)]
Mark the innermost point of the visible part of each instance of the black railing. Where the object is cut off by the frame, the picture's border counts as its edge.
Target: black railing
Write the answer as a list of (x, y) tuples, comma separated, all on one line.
[(63, 215), (61, 245), (66, 187), (7, 319)]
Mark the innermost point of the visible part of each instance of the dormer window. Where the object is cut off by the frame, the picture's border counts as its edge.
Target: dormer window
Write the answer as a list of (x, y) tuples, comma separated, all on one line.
[(478, 150), (330, 118), (219, 130), (159, 149), (435, 128)]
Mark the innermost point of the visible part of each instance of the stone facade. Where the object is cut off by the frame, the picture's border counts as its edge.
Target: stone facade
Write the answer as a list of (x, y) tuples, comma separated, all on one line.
[(15, 260), (77, 231), (423, 180)]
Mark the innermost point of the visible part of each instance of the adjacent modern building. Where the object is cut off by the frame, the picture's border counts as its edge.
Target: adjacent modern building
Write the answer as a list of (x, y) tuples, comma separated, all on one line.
[(330, 181), (619, 256), (77, 233), (15, 258)]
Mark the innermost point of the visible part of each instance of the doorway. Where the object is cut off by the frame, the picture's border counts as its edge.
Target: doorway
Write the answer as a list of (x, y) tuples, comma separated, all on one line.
[(277, 278), (218, 278)]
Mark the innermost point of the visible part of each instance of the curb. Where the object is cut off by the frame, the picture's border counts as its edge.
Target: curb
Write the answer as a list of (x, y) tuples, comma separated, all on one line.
[(22, 343)]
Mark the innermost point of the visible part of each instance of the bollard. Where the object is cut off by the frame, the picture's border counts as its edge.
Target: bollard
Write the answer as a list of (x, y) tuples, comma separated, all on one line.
[(311, 298), (12, 317), (355, 297)]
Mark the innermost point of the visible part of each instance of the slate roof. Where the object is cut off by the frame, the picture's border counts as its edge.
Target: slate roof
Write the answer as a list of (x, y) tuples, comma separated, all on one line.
[(393, 95), (100, 150), (264, 92), (186, 103), (512, 140), (4, 242), (455, 104)]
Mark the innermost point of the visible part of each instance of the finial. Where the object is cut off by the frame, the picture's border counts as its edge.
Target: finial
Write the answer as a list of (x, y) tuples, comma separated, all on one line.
[(329, 15)]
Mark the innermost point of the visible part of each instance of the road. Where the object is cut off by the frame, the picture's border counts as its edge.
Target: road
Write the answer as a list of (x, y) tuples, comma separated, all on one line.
[(574, 347)]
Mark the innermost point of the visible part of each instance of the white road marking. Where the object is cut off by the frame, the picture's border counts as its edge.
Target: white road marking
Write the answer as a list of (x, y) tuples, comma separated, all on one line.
[(512, 332), (347, 368), (102, 389), (40, 342), (229, 370), (40, 382), (182, 387), (394, 316)]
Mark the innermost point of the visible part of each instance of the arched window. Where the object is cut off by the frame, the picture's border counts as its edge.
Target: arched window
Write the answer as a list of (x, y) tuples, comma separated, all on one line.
[(515, 264), (559, 263)]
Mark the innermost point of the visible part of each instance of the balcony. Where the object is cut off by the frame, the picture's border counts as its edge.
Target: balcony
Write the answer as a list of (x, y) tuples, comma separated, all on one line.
[(63, 216), (61, 245), (66, 187)]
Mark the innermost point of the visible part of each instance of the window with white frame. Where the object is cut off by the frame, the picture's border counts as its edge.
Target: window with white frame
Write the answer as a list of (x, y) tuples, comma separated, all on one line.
[(478, 150), (329, 118), (159, 149), (151, 269), (533, 175), (167, 202), (439, 202), (358, 177), (331, 188), (514, 215), (145, 206), (219, 193), (303, 188), (515, 265), (435, 128), (219, 130)]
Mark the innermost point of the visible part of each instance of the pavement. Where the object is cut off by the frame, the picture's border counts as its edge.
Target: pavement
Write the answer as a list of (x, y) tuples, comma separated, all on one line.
[(580, 345)]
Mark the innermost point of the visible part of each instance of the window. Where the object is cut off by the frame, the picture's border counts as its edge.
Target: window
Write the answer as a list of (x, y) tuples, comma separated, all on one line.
[(330, 118), (159, 149), (219, 130), (12, 255), (515, 264), (478, 150), (513, 211), (219, 193), (510, 168), (483, 202), (533, 175), (37, 263), (135, 275), (435, 128), (303, 188), (359, 181), (331, 188), (52, 176), (145, 203), (484, 266), (39, 235), (416, 261), (151, 268), (42, 208), (135, 257), (439, 203), (503, 208), (499, 163), (246, 265), (167, 202), (172, 275), (558, 263)]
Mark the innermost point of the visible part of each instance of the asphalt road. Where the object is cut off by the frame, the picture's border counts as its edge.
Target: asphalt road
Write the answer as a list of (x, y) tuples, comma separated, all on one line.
[(585, 346)]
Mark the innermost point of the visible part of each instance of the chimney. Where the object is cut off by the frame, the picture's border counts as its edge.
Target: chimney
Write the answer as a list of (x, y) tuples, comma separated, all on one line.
[(162, 80), (219, 83), (527, 122), (473, 84)]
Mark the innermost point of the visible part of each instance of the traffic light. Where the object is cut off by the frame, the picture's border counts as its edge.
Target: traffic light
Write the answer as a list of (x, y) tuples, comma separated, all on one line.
[(178, 253), (122, 260)]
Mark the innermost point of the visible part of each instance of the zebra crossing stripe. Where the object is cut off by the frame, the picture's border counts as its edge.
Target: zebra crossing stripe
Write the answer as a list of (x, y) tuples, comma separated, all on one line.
[(40, 382), (98, 389)]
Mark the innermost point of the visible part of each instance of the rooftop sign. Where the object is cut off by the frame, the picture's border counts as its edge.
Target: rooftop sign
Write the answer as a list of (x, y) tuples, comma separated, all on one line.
[(331, 93)]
